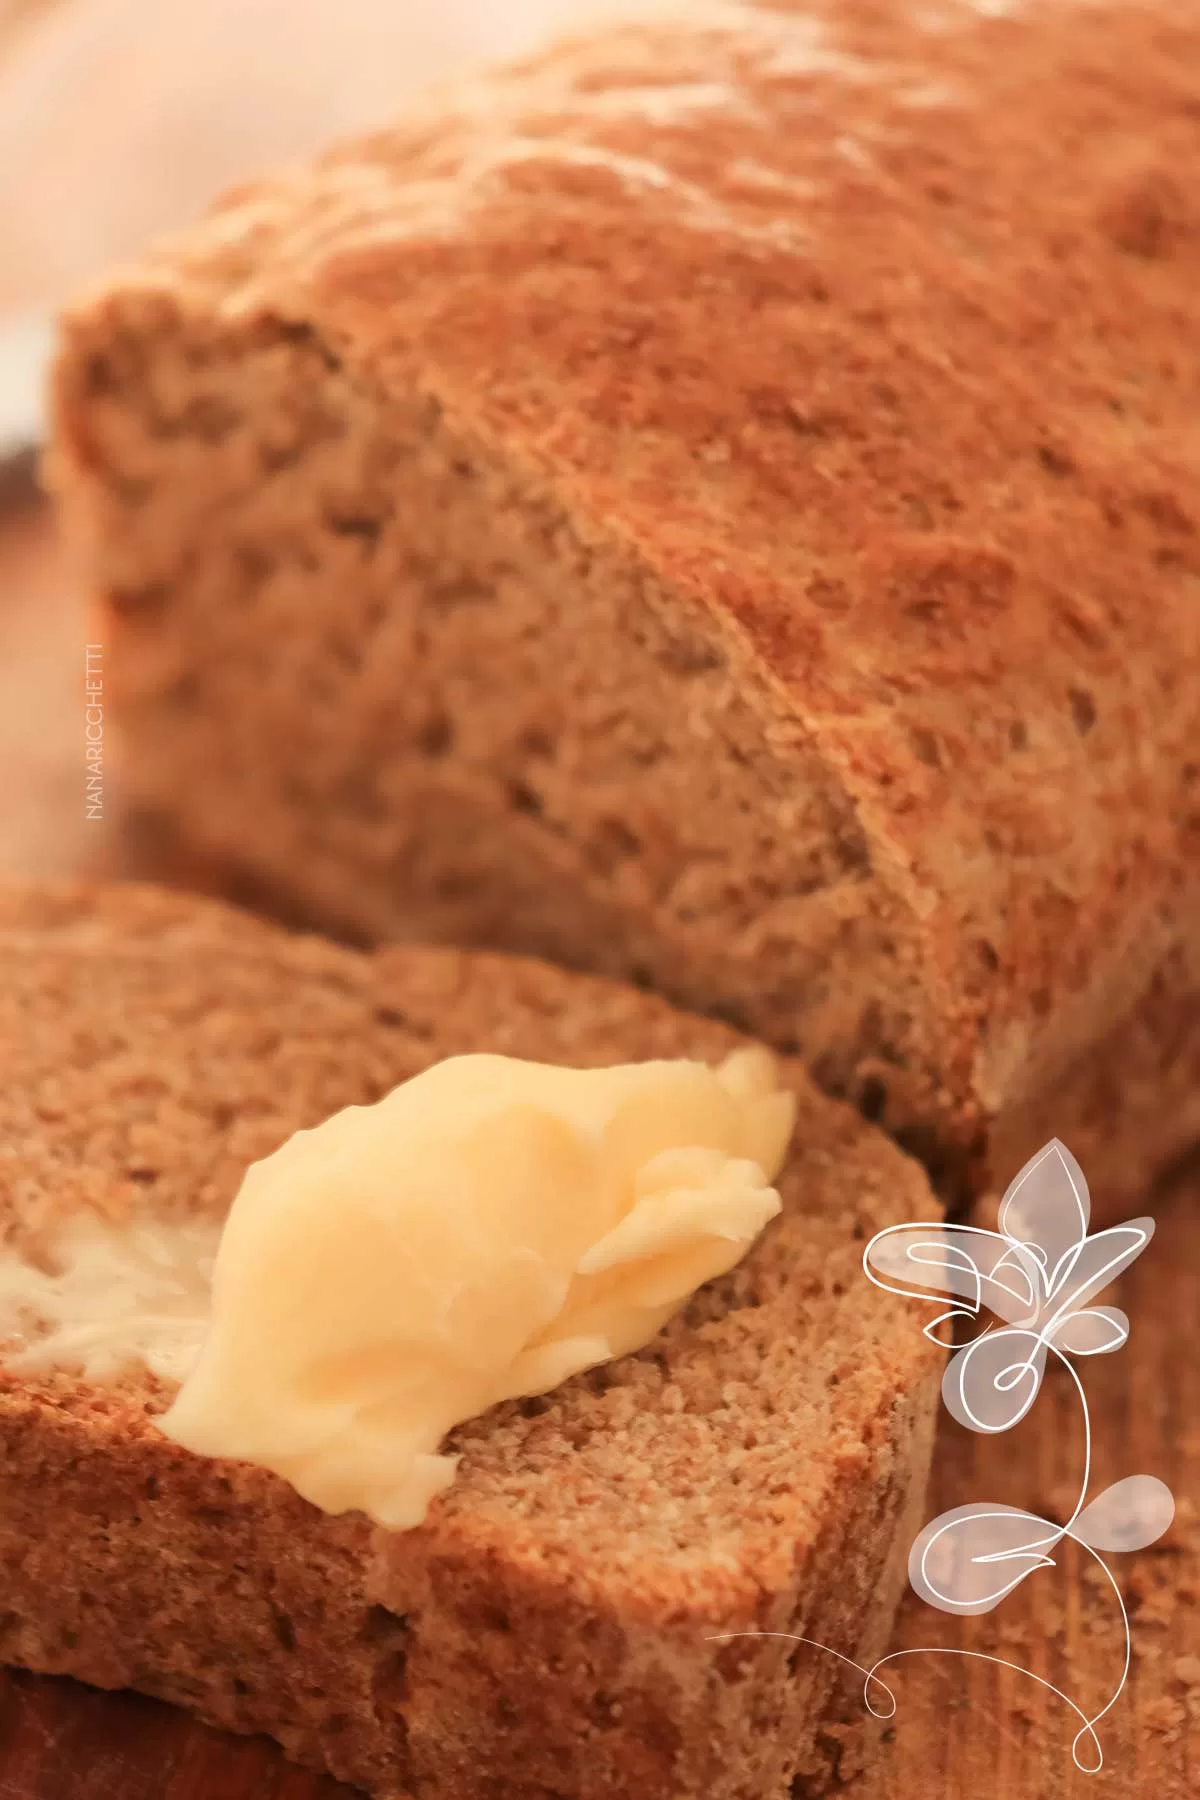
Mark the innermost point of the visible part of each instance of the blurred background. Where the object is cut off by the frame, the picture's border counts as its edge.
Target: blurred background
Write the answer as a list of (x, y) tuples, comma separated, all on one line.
[(120, 119)]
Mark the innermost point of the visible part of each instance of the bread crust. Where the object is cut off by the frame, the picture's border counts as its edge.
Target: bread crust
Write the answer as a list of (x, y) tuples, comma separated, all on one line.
[(759, 1466), (840, 363)]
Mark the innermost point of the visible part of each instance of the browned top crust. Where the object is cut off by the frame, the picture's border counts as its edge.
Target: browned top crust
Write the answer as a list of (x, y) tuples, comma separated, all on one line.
[(872, 327), (154, 1044)]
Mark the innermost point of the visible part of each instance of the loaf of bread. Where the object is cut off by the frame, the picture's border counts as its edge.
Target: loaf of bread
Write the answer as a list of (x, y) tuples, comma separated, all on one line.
[(759, 1466), (717, 505)]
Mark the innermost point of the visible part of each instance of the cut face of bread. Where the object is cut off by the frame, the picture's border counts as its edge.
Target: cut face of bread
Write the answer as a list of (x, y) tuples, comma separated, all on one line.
[(759, 1466), (712, 505)]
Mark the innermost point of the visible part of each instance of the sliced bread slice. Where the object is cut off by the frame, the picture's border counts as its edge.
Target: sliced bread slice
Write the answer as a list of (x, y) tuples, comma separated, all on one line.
[(548, 1631)]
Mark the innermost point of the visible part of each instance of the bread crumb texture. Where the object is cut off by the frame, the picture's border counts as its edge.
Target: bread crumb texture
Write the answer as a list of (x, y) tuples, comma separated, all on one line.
[(759, 1466)]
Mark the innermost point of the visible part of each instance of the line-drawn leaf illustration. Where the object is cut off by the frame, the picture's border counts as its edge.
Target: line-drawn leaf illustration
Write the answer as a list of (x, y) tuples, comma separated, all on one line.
[(991, 1383), (1035, 1273), (1047, 1203), (967, 1560), (1093, 1332), (1126, 1516), (1091, 1266), (1016, 1275), (979, 1268)]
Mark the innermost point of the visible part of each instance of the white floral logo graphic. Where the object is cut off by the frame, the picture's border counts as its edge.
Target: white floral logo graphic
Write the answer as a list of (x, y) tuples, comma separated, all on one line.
[(1038, 1275)]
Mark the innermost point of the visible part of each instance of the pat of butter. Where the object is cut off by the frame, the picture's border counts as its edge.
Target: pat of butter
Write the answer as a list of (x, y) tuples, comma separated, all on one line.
[(485, 1231)]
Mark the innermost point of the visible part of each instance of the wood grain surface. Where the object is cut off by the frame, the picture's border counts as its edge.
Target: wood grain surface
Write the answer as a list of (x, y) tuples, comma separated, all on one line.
[(963, 1729)]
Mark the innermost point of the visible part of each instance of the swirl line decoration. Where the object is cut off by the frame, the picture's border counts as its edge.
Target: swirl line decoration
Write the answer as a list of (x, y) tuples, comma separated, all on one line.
[(1039, 1275)]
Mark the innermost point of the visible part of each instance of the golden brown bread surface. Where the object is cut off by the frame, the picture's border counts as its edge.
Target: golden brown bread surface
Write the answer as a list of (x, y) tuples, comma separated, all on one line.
[(717, 503), (760, 1465)]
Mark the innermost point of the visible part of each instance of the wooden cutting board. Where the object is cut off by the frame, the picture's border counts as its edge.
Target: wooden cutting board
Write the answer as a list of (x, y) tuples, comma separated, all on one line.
[(963, 1729)]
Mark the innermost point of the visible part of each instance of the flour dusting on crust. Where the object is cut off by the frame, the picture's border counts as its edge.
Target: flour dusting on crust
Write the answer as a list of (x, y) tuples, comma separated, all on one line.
[(620, 108)]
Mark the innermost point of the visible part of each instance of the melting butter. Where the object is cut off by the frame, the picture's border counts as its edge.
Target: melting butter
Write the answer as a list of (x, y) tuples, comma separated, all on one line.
[(485, 1231), (113, 1298)]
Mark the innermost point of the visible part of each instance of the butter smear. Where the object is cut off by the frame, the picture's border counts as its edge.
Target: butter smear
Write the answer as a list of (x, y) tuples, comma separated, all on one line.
[(485, 1231)]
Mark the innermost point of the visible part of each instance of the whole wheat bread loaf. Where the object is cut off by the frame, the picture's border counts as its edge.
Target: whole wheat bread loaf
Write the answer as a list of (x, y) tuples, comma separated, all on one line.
[(716, 504), (760, 1465)]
